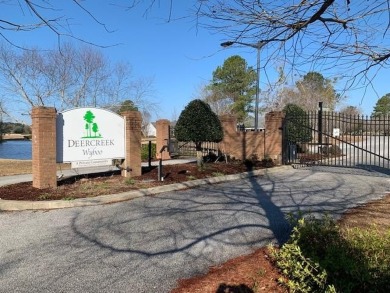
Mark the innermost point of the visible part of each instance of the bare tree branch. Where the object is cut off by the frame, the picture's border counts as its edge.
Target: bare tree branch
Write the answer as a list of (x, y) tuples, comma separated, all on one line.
[(75, 77), (325, 34), (36, 11)]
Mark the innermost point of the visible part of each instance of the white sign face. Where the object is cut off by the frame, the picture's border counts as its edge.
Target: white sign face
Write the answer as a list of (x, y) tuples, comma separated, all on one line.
[(336, 132), (87, 134)]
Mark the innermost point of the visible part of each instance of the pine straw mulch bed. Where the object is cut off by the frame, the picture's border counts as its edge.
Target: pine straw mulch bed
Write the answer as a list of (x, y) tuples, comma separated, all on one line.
[(112, 182)]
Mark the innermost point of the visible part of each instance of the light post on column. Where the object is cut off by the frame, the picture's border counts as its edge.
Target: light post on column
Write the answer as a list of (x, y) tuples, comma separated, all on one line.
[(258, 47)]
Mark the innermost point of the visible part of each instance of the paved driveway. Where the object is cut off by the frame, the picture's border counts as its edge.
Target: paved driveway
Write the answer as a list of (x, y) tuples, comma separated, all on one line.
[(147, 244)]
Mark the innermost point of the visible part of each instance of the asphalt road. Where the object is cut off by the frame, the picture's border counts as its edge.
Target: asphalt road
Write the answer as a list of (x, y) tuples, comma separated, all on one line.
[(147, 244)]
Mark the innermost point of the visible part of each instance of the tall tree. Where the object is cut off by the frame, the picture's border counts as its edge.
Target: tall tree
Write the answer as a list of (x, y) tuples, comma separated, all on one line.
[(351, 111), (219, 103), (314, 88), (307, 93), (197, 123), (234, 81), (127, 105), (351, 120), (382, 106)]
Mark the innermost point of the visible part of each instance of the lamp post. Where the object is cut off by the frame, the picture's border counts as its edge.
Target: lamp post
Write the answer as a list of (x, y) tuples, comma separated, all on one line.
[(258, 47)]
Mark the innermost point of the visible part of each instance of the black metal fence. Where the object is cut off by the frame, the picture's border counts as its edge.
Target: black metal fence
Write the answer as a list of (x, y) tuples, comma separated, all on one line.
[(336, 139), (187, 149)]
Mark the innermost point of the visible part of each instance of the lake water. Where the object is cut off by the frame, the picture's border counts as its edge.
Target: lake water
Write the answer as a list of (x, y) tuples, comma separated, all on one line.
[(16, 149)]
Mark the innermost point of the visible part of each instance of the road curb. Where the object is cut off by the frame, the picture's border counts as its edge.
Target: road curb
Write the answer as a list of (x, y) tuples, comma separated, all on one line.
[(20, 205)]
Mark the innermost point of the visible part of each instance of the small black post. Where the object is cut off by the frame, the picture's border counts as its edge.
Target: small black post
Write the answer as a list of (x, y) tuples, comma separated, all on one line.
[(320, 125), (159, 171), (150, 154)]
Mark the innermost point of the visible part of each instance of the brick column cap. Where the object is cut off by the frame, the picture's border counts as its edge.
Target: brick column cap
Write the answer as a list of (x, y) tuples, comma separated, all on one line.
[(43, 112), (275, 114), (163, 121), (227, 117), (132, 114)]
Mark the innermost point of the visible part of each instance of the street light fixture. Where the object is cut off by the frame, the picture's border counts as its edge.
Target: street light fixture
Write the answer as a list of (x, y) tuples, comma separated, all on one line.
[(258, 46)]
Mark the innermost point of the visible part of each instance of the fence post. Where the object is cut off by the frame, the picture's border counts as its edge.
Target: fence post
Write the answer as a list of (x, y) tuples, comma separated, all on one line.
[(320, 125), (150, 154), (274, 135), (230, 137)]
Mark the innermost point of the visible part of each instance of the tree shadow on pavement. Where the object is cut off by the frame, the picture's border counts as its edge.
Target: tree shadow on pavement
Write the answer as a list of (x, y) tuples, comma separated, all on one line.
[(181, 234), (277, 220)]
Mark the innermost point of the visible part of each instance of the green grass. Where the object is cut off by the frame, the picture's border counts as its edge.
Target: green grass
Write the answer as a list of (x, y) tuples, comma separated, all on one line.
[(320, 257)]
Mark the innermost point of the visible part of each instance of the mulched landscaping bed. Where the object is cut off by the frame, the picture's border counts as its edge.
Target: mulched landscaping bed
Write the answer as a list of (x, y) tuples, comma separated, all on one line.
[(112, 182)]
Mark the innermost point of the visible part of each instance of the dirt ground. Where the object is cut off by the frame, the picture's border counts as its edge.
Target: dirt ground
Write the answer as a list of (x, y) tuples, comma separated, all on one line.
[(246, 274)]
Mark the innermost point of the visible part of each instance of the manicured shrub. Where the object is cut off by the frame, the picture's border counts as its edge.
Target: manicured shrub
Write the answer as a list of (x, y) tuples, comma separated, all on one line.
[(197, 123), (297, 124), (320, 257)]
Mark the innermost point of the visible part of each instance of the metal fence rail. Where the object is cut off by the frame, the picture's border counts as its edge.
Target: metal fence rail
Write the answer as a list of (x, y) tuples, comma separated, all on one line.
[(337, 139)]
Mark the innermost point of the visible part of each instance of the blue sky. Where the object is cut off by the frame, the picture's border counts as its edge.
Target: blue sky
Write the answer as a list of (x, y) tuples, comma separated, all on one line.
[(179, 56)]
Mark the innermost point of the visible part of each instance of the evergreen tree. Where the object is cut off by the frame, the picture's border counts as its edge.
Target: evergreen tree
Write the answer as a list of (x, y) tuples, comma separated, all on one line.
[(235, 82), (197, 123), (314, 88), (297, 124), (127, 105), (382, 106)]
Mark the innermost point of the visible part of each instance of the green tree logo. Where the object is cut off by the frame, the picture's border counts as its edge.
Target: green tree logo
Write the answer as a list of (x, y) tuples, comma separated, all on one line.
[(90, 126)]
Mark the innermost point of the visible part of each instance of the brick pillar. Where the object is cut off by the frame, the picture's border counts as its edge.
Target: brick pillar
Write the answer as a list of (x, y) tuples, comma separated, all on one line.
[(132, 165), (162, 136), (273, 135), (229, 125), (44, 169)]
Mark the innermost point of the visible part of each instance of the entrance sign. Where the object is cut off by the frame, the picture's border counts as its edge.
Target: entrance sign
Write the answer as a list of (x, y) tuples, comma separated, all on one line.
[(89, 134)]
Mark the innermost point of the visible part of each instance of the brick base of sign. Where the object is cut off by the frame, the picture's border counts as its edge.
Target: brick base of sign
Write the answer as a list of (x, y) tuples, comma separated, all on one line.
[(44, 166), (44, 147)]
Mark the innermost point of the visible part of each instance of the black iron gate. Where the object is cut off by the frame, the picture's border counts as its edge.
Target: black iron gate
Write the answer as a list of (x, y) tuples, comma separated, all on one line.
[(336, 139)]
